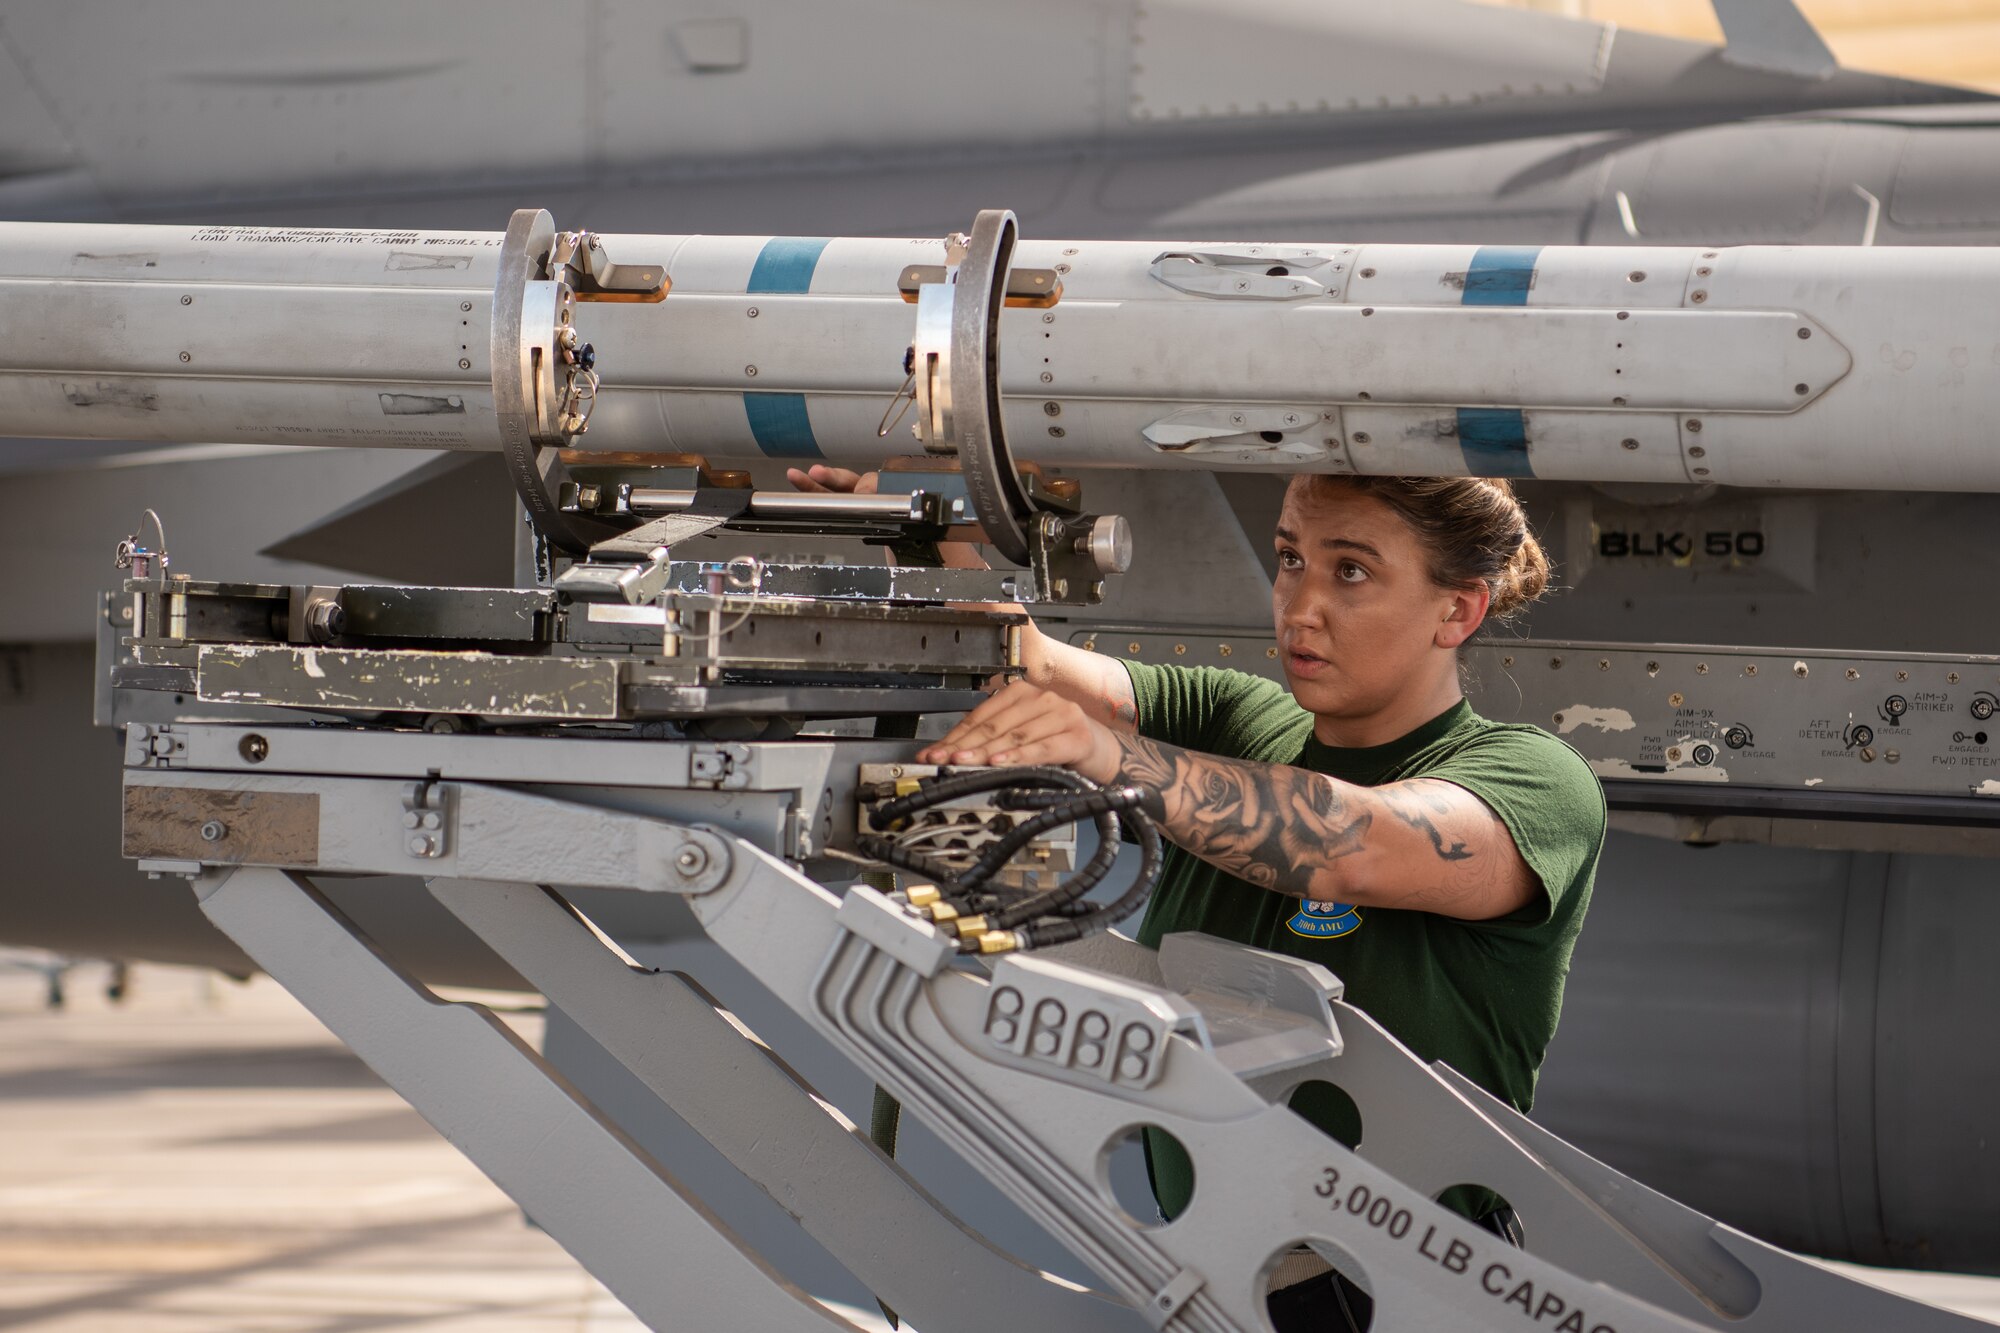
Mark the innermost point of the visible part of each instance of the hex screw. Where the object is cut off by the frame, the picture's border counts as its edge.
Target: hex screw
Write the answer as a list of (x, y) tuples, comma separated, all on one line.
[(751, 312), (465, 363), (187, 300), (465, 306), (186, 357)]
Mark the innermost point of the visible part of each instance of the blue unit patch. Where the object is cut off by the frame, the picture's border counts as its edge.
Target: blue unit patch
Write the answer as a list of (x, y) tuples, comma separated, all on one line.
[(1501, 275), (780, 423), (1494, 441), (786, 264), (1324, 921)]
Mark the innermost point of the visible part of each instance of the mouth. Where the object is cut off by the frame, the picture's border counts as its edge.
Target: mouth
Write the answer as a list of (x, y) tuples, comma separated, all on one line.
[(1301, 663)]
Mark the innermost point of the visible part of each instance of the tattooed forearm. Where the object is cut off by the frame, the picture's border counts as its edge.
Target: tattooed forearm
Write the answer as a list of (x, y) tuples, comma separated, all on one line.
[(1294, 831), (1279, 828), (1415, 806)]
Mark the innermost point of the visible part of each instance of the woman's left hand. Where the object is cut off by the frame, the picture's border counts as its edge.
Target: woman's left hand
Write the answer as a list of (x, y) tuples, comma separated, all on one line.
[(1026, 724)]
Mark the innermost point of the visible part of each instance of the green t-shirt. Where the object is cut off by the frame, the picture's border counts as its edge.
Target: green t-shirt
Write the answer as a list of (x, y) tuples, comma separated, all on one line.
[(1483, 996)]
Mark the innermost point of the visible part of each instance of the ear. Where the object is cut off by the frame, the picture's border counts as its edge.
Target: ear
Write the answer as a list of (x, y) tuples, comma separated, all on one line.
[(1463, 612)]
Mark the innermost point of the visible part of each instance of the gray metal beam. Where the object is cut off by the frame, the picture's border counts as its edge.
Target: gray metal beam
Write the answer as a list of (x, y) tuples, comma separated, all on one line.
[(740, 1097), (582, 1179)]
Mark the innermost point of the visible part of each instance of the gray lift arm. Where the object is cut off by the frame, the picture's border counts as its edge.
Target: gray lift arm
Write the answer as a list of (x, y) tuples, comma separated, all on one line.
[(1033, 1069)]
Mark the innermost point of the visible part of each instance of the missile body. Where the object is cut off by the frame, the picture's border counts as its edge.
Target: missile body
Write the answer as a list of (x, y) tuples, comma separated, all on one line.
[(1759, 366)]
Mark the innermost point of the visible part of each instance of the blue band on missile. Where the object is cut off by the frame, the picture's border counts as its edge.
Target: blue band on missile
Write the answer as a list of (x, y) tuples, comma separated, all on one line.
[(778, 420), (1501, 275), (1494, 441), (781, 426), (786, 264)]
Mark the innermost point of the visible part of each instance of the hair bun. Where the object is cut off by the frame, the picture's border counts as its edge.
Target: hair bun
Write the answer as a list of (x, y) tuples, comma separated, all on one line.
[(1523, 581)]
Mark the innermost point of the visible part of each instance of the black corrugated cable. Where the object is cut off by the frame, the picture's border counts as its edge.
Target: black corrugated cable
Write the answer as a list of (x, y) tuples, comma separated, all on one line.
[(936, 790), (1151, 855)]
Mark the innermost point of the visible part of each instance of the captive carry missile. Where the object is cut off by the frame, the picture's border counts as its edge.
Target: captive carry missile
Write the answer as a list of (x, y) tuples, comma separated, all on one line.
[(1769, 366)]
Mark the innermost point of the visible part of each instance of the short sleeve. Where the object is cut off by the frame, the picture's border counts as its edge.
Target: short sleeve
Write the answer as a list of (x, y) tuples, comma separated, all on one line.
[(1230, 713), (1550, 802)]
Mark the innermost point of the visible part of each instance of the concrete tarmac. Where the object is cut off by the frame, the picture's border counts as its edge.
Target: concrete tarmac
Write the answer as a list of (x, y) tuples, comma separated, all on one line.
[(204, 1157)]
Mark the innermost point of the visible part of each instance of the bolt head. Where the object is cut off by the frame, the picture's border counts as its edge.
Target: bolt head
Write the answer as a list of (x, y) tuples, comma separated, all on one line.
[(691, 861)]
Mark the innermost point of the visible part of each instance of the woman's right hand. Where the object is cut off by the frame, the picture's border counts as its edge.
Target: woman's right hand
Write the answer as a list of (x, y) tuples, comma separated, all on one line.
[(833, 480)]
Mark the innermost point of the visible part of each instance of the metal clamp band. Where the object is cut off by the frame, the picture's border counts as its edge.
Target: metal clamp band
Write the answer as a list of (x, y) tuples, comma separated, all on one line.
[(527, 319), (978, 296)]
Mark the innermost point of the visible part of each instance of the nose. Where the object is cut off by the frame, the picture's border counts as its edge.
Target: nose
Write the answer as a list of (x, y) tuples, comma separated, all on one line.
[(1301, 610)]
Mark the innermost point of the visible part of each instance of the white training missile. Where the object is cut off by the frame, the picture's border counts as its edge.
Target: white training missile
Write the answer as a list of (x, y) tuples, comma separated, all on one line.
[(1751, 365)]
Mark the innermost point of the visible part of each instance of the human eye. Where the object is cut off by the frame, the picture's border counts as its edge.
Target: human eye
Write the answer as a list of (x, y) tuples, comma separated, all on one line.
[(1349, 572), (1289, 558)]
